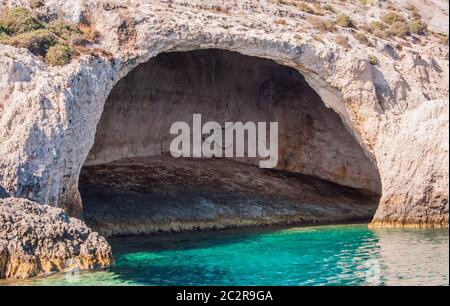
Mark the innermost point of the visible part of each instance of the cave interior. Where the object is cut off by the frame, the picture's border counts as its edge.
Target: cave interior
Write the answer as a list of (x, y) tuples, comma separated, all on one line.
[(130, 184)]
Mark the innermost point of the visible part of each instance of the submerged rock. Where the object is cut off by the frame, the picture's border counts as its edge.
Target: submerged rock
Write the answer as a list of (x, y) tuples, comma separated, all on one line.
[(39, 239)]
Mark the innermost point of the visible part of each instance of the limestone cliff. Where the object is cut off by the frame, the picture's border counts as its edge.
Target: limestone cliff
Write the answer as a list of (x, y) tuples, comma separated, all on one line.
[(377, 67)]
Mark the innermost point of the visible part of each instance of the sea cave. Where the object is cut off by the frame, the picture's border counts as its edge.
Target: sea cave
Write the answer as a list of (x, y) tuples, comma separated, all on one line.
[(130, 184)]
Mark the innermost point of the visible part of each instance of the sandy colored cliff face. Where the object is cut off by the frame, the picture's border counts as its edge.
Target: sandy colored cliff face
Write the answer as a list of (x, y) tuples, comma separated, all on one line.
[(396, 111)]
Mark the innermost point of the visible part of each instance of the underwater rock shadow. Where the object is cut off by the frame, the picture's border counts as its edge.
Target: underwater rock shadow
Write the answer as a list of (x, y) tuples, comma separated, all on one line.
[(3, 193)]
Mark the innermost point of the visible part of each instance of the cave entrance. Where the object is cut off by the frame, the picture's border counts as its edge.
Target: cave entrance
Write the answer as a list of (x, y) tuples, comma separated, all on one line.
[(130, 184)]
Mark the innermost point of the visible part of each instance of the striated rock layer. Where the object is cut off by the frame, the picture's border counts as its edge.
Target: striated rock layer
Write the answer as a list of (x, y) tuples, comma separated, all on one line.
[(39, 239), (153, 194)]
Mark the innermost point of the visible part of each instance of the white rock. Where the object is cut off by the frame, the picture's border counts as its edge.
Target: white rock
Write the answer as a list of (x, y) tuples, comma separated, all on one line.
[(397, 110)]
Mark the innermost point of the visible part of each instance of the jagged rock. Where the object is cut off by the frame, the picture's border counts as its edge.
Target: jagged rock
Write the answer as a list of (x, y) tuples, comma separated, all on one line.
[(39, 239)]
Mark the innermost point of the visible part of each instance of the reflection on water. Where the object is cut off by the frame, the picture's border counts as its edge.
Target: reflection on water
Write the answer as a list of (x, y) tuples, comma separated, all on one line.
[(412, 256), (325, 255)]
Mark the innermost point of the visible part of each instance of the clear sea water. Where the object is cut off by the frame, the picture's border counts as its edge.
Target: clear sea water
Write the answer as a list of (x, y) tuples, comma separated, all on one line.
[(323, 255)]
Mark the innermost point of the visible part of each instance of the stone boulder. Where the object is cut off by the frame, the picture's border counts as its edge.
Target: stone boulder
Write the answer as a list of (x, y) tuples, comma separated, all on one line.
[(39, 239)]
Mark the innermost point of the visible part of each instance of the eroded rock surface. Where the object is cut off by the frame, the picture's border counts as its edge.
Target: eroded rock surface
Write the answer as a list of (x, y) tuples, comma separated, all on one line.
[(397, 109), (147, 195), (226, 86), (39, 239)]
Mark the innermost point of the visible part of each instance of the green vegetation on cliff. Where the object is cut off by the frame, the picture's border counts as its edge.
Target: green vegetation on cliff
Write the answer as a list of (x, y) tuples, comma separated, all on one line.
[(56, 41)]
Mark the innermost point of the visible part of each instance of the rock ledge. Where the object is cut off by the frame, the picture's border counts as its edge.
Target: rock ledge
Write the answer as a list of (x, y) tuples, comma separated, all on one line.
[(38, 239)]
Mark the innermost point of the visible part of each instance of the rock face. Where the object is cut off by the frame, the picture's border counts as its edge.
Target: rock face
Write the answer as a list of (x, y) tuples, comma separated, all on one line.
[(423, 199), (396, 107), (155, 194), (227, 87), (39, 239)]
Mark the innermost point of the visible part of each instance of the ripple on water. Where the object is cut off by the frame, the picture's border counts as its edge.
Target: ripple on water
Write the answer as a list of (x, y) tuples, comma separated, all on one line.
[(325, 255)]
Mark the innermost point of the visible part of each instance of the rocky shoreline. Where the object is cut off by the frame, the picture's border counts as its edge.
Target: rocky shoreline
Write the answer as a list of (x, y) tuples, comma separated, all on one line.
[(382, 69), (36, 240)]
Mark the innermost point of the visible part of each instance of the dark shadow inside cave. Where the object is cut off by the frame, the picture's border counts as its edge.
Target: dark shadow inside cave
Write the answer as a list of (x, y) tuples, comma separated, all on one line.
[(131, 185)]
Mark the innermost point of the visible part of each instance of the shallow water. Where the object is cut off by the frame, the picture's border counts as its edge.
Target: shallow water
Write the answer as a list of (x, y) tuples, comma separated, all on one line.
[(324, 255)]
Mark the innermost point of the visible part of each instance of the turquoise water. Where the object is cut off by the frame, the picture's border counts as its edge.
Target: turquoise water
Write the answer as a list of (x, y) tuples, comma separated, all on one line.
[(325, 255)]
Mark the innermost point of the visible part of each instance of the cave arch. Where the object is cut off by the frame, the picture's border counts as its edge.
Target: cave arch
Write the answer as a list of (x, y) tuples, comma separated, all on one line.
[(228, 86), (43, 149)]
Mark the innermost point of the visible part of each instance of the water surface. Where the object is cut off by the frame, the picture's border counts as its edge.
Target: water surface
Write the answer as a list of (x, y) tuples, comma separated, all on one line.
[(324, 255)]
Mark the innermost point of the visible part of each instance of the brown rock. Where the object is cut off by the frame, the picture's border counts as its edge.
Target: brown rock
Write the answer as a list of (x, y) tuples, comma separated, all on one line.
[(43, 239)]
